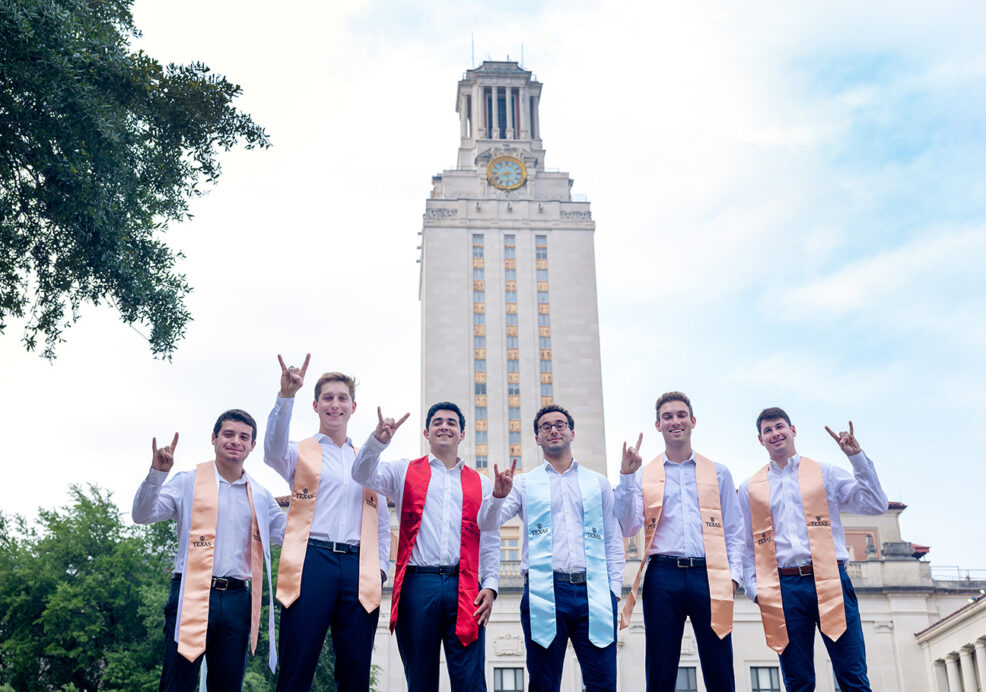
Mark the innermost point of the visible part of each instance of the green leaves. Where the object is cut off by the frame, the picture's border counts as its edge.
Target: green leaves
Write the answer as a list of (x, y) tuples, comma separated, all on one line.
[(100, 149)]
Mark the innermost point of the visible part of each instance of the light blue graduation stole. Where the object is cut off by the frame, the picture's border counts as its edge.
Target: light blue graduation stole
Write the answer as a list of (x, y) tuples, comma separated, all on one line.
[(541, 584)]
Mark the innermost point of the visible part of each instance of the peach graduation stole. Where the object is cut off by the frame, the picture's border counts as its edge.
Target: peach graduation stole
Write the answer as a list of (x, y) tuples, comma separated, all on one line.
[(199, 560), (825, 568), (713, 538), (304, 494)]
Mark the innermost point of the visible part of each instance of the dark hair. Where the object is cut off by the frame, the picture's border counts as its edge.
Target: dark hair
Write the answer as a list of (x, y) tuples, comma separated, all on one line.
[(772, 413), (549, 409), (236, 414), (445, 406), (673, 396)]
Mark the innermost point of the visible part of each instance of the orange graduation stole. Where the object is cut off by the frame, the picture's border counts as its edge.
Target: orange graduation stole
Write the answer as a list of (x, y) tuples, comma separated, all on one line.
[(825, 568), (713, 537), (199, 561), (304, 494)]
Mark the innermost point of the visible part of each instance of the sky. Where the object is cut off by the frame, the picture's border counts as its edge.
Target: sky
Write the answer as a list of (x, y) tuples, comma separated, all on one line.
[(790, 210)]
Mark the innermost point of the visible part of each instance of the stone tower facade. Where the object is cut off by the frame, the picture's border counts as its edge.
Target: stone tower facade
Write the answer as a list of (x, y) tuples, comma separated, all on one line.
[(508, 283)]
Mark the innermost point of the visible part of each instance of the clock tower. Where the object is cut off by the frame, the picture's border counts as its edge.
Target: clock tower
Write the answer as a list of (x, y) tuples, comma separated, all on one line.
[(509, 317)]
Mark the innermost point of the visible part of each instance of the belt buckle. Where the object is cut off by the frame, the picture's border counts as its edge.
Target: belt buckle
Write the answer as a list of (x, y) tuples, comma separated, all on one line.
[(687, 562), (578, 578), (220, 583), (336, 550), (446, 571), (804, 570)]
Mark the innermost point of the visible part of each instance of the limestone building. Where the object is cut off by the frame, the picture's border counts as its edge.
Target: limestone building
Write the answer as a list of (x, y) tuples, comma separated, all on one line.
[(509, 323)]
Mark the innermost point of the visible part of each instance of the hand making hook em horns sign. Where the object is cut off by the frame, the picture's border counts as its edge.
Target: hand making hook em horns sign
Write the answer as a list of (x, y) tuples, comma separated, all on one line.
[(631, 457), (386, 427), (846, 440), (292, 378), (162, 459), (503, 482)]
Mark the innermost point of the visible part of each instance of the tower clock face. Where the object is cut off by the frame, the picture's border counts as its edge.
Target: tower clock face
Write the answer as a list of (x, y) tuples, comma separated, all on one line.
[(506, 172)]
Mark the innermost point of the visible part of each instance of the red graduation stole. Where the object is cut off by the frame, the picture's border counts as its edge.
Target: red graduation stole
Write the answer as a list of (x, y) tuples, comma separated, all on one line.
[(412, 508)]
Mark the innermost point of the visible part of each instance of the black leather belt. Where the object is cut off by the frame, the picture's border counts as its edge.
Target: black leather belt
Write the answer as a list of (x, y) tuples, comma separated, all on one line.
[(570, 577), (444, 570), (801, 570), (334, 547), (675, 561), (221, 583)]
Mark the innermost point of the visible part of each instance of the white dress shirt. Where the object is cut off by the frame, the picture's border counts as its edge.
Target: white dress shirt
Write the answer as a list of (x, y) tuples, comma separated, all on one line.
[(859, 493), (439, 537), (159, 501), (567, 541), (679, 531), (338, 513)]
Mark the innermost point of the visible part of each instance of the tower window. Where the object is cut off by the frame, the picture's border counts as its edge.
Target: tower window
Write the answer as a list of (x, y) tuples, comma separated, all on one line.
[(480, 413), (512, 342), (480, 388), (482, 462), (479, 365), (540, 253), (477, 250), (515, 437), (510, 240), (480, 342), (542, 297), (510, 275), (510, 252), (543, 342), (544, 320), (513, 413), (478, 274), (542, 274), (479, 318), (481, 437), (511, 296), (513, 365), (513, 389), (511, 319), (480, 296), (546, 388), (545, 366)]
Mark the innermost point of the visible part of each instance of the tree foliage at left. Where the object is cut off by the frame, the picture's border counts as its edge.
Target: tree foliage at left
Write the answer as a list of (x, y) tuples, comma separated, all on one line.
[(81, 597), (100, 148)]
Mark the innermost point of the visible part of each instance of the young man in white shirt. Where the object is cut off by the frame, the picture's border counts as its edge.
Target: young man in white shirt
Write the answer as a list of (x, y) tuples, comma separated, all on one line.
[(572, 556), (448, 556), (680, 571), (796, 552), (323, 557), (236, 499)]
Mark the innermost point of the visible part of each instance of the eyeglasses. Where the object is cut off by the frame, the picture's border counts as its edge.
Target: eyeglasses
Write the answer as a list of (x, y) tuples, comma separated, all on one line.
[(560, 426)]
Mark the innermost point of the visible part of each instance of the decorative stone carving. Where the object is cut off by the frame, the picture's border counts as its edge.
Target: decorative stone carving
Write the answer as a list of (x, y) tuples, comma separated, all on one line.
[(509, 645), (441, 213), (577, 215)]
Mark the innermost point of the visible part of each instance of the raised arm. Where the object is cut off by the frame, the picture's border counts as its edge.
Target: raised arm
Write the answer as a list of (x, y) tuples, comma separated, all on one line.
[(860, 493), (628, 498), (279, 453), (154, 501), (384, 478)]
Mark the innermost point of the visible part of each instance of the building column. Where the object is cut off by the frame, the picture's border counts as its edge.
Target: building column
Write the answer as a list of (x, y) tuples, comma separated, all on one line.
[(525, 126), (981, 661), (511, 120), (940, 675), (463, 115), (495, 125), (952, 667), (968, 674)]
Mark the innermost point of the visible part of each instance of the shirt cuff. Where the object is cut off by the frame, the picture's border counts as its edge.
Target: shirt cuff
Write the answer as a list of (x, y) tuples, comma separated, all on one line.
[(628, 480), (616, 588), (491, 583), (374, 445), (860, 462), (284, 402), (156, 477)]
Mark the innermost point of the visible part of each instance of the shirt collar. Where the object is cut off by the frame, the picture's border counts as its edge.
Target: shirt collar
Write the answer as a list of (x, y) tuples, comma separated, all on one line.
[(573, 468), (432, 459), (690, 459), (792, 463), (322, 437), (219, 479)]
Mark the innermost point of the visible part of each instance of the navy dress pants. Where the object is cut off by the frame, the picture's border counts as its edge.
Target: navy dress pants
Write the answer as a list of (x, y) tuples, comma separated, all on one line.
[(671, 594), (544, 665), (329, 598), (226, 641), (848, 653), (425, 621)]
